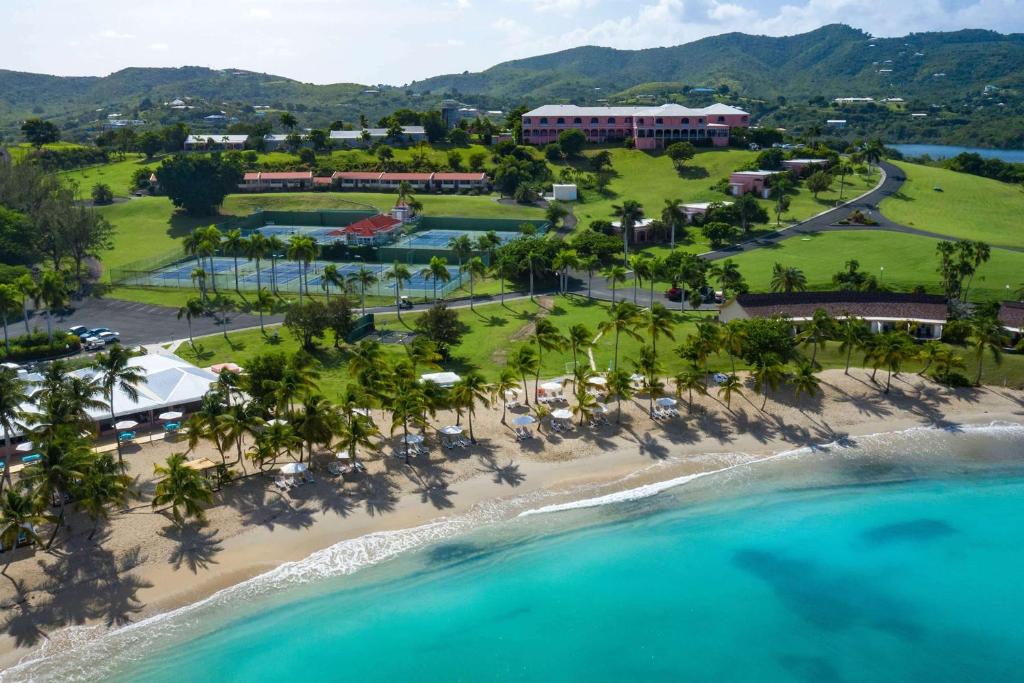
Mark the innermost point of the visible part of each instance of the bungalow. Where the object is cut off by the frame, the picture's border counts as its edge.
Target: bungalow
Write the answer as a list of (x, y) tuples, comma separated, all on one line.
[(922, 315), (1011, 316), (352, 180), (357, 138), (274, 141), (372, 231), (266, 181), (742, 182), (215, 141), (643, 229), (699, 209), (418, 181), (835, 123), (797, 166), (460, 181), (402, 211)]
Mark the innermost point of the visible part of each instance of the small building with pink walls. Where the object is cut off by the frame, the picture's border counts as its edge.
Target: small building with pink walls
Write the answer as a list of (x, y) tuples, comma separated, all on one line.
[(758, 182), (650, 127)]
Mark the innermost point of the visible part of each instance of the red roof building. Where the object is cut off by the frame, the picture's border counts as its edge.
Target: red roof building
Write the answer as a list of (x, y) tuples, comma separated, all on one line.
[(379, 229), (284, 180)]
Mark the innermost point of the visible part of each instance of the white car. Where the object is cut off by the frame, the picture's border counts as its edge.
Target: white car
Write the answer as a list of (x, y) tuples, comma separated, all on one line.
[(93, 343)]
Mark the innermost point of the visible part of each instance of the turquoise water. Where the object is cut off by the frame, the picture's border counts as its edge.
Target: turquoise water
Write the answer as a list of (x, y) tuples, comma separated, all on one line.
[(947, 151), (895, 558)]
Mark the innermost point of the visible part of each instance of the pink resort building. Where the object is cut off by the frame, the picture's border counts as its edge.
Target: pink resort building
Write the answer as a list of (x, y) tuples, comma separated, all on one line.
[(650, 127)]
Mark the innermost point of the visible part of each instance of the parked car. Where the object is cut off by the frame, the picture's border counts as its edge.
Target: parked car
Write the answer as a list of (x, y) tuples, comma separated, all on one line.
[(92, 343), (79, 331), (108, 337), (404, 302), (98, 330), (674, 294)]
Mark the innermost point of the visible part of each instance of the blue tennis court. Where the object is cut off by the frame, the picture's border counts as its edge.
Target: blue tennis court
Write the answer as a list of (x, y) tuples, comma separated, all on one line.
[(439, 239), (419, 281), (320, 234), (346, 269)]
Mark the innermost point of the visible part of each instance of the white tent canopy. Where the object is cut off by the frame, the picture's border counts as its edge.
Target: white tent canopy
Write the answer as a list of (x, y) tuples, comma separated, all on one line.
[(562, 414), (442, 379)]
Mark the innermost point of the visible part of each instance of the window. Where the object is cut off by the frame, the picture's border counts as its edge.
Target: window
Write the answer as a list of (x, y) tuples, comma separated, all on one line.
[(544, 119), (560, 120), (526, 119), (744, 118), (593, 119), (659, 120), (721, 119), (577, 120), (686, 122), (639, 120), (611, 120)]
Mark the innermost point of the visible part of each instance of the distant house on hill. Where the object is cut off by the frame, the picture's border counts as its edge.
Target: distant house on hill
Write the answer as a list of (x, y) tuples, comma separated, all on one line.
[(922, 315), (797, 166), (357, 138), (758, 182), (265, 181), (215, 141)]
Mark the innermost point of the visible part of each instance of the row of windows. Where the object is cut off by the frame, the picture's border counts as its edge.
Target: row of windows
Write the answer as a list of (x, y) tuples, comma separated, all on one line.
[(641, 133), (577, 120)]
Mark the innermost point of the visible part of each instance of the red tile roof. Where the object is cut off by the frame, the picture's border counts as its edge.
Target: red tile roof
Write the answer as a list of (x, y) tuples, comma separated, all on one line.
[(873, 305), (1011, 314), (460, 176), (251, 176), (322, 180), (368, 227), (407, 176), (278, 175), (356, 175)]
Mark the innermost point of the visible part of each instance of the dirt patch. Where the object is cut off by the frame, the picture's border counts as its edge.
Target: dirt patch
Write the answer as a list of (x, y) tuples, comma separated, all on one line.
[(546, 303)]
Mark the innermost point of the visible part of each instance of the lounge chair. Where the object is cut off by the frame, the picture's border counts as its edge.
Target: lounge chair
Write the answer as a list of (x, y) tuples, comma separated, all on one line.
[(308, 477), (334, 468), (280, 484)]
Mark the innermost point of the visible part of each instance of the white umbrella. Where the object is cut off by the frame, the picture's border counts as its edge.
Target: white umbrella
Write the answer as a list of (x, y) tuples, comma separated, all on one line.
[(551, 387), (270, 423), (172, 415), (602, 408), (523, 420), (25, 447), (342, 455), (665, 401), (636, 377), (451, 430), (292, 468), (597, 381), (365, 412), (562, 414), (126, 424), (412, 439)]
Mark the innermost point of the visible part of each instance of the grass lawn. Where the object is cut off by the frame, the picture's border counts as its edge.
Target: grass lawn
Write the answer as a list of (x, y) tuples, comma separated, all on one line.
[(650, 179), (117, 174), (968, 207), (909, 260), (496, 330)]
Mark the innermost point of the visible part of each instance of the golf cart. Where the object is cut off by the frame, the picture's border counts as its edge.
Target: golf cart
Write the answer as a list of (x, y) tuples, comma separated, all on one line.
[(403, 302)]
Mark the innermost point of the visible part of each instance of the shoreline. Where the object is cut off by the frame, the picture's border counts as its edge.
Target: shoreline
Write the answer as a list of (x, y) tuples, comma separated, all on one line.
[(473, 496)]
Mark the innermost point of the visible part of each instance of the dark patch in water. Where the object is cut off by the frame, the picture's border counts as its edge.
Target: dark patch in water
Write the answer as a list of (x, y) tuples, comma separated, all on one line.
[(914, 530), (811, 669), (446, 553), (828, 599)]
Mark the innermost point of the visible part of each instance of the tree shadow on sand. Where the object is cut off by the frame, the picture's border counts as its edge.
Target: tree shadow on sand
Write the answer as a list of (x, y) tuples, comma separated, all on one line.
[(194, 547)]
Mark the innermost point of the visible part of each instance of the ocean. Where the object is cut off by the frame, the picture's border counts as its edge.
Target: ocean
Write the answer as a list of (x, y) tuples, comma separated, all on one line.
[(889, 557), (948, 151)]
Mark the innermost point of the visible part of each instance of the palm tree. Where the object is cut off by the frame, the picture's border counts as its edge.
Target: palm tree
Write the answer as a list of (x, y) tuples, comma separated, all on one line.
[(732, 336), (209, 243), (53, 292), (462, 247), (615, 275), (818, 330), (104, 487), (628, 213), (354, 431), (504, 269), (255, 249), (194, 308), (564, 261), (303, 249), (264, 301), (987, 335), (399, 274), (299, 379), (804, 380), (315, 423), (638, 263), (893, 349), (475, 268), (28, 289), (579, 338), (727, 274), (729, 386), (66, 456), (275, 248), (781, 185), (233, 424), (234, 243), (117, 373), (365, 360), (507, 381), (523, 361), (9, 303), (469, 390), (547, 338), (330, 275), (623, 317), (273, 440), (589, 263), (363, 278), (646, 364), (946, 362), (199, 276), (13, 394), (192, 245), (691, 379), (408, 404), (788, 280), (436, 270), (674, 216), (659, 322), (620, 385), (768, 373), (851, 332), (927, 354), (182, 488), (21, 515)]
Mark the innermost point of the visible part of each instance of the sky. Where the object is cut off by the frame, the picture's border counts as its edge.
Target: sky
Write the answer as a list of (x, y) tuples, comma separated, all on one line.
[(398, 41)]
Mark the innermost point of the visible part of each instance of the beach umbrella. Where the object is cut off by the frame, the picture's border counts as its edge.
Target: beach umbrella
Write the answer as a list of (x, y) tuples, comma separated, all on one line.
[(551, 387), (342, 455), (562, 414), (451, 430), (365, 412), (172, 415), (665, 401), (412, 439), (293, 468), (636, 377), (25, 447), (602, 408), (275, 421), (125, 424), (225, 367), (523, 420), (597, 381)]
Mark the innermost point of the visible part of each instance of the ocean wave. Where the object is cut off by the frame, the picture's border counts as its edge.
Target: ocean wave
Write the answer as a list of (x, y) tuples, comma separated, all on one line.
[(891, 440)]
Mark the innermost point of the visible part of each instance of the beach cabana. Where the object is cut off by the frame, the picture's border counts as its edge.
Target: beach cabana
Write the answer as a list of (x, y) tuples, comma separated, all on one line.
[(445, 380)]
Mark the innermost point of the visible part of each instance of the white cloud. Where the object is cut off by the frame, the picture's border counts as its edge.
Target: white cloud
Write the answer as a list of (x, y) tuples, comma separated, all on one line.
[(514, 31), (260, 13), (158, 46), (111, 34), (727, 11)]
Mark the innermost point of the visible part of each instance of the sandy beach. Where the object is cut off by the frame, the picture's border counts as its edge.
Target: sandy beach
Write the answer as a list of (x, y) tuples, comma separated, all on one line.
[(140, 564)]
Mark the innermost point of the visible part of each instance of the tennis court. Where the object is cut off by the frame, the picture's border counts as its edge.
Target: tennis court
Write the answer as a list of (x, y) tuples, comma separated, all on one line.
[(439, 239), (322, 235)]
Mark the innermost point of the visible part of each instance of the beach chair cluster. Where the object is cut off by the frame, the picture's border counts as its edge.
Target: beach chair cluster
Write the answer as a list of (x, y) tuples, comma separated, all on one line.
[(453, 442), (666, 413), (562, 426), (126, 436), (287, 483), (552, 399), (599, 420), (339, 470), (522, 433)]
